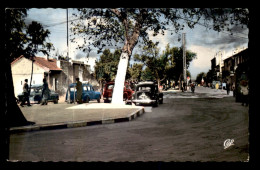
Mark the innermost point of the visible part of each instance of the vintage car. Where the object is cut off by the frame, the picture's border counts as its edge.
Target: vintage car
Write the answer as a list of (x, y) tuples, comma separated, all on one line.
[(88, 93), (108, 91), (36, 95), (147, 93)]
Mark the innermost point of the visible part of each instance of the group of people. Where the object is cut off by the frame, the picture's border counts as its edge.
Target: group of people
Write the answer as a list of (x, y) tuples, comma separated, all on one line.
[(26, 93), (46, 92)]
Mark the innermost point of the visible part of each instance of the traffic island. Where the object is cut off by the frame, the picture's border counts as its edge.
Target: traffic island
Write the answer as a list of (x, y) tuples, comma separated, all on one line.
[(67, 116)]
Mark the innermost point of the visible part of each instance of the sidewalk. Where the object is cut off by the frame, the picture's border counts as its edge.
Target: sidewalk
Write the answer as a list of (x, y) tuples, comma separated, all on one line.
[(63, 115)]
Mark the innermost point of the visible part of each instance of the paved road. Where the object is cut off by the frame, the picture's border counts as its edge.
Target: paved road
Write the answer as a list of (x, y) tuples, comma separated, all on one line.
[(182, 129)]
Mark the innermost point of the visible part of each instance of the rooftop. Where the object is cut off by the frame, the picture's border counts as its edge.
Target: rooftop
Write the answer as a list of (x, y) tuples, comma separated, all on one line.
[(50, 64)]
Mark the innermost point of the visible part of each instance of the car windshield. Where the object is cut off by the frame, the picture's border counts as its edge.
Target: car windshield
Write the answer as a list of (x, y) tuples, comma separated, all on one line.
[(110, 86), (86, 88), (36, 90), (72, 89), (144, 88)]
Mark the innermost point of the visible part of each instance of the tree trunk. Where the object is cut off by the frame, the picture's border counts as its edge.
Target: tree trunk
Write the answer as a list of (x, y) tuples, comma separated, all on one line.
[(117, 97), (158, 84), (13, 115), (130, 42)]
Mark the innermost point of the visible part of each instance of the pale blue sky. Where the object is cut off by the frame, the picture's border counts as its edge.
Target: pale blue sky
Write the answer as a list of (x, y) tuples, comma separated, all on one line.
[(200, 40)]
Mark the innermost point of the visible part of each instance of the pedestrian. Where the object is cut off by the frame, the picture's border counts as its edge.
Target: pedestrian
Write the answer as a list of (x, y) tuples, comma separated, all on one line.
[(234, 89), (192, 87), (228, 88), (79, 91), (25, 93), (217, 86), (244, 92), (45, 92)]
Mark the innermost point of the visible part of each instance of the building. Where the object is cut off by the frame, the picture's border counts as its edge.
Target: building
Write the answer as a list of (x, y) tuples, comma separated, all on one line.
[(235, 66), (59, 73)]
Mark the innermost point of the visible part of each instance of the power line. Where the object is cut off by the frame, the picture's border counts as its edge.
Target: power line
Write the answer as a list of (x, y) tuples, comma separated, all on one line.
[(206, 26)]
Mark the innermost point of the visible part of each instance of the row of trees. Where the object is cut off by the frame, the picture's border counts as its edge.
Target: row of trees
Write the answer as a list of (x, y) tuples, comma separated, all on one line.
[(148, 65), (210, 76)]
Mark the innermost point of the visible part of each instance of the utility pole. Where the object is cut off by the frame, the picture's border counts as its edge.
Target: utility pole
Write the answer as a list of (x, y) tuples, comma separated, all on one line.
[(220, 71), (68, 99), (67, 33), (184, 60)]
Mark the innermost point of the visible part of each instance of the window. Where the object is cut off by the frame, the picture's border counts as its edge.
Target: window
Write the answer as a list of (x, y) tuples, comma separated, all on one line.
[(72, 89), (86, 88), (111, 86), (144, 88)]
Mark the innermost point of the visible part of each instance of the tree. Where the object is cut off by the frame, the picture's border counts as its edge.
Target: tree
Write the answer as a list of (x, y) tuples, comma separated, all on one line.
[(135, 72), (209, 76), (157, 65), (20, 39), (175, 57), (106, 66), (130, 25), (200, 76)]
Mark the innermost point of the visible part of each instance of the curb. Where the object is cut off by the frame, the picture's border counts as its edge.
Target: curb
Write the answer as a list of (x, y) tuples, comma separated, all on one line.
[(75, 124)]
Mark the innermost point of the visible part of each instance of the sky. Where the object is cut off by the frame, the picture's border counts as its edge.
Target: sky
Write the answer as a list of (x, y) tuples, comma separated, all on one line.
[(200, 40)]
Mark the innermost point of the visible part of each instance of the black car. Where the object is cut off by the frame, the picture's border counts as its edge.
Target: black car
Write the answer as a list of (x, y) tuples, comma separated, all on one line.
[(36, 95), (147, 93)]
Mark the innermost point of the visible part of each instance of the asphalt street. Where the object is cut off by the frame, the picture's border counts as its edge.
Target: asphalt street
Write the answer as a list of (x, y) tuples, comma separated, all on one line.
[(205, 126)]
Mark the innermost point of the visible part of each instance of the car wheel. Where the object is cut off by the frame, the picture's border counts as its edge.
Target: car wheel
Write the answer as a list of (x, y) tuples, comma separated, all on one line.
[(55, 101), (161, 101), (156, 103), (98, 100), (87, 100)]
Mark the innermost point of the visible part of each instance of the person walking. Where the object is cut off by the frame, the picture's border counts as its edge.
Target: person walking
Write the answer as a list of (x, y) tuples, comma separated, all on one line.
[(228, 88), (217, 86), (234, 89), (244, 92), (45, 92), (192, 85), (79, 91), (25, 94)]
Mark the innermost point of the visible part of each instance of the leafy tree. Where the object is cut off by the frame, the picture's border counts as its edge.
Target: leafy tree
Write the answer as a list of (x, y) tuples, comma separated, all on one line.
[(157, 65), (167, 66), (200, 76), (23, 39), (135, 72), (147, 74), (128, 26), (175, 58), (106, 66), (20, 39)]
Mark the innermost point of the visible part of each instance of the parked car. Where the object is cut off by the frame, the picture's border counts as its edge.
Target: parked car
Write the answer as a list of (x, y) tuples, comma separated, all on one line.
[(88, 93), (108, 91), (36, 95), (147, 93)]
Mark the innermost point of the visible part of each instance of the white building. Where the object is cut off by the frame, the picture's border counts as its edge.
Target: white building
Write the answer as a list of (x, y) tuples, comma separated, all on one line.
[(22, 68)]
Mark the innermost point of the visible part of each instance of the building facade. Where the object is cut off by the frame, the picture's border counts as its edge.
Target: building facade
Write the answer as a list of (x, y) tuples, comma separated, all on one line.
[(235, 66)]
